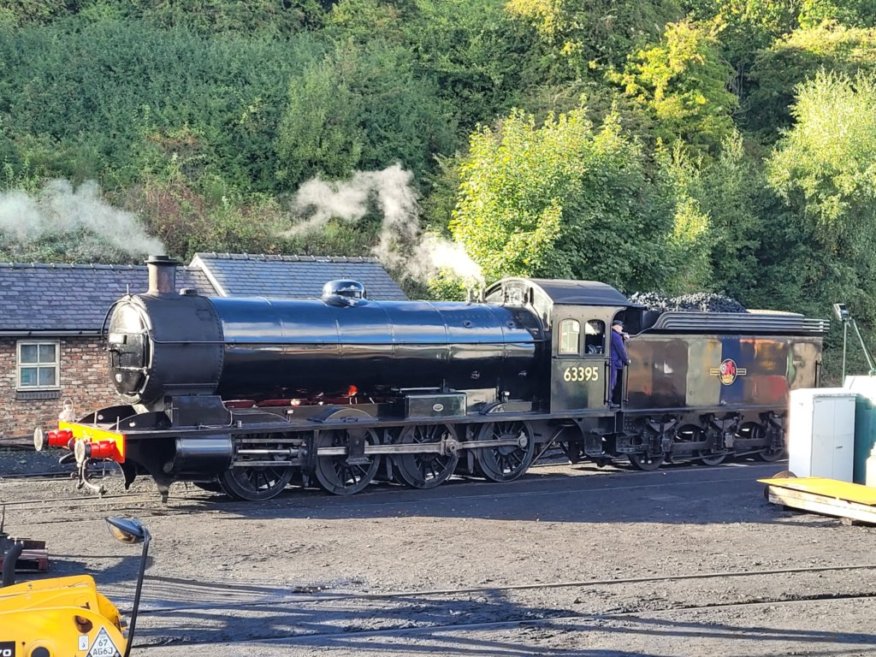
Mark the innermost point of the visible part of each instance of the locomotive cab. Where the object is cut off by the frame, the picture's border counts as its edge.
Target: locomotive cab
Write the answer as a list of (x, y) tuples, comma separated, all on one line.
[(577, 316)]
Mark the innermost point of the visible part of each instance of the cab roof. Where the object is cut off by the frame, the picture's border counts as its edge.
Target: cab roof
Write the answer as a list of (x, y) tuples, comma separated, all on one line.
[(572, 293)]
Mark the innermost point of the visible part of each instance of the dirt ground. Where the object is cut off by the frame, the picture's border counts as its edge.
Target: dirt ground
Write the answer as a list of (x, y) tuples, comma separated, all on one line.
[(569, 560)]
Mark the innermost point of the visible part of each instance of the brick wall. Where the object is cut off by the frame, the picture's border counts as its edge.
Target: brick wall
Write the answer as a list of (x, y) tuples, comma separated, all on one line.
[(84, 379)]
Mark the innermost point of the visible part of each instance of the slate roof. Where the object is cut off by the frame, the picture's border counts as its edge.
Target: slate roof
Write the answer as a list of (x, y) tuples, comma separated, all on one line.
[(72, 298), (64, 299), (296, 277)]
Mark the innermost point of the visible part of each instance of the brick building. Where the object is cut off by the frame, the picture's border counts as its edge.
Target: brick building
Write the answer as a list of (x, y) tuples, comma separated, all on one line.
[(51, 319)]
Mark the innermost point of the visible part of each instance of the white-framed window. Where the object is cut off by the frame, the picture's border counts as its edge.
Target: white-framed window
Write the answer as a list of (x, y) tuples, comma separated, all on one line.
[(570, 337), (38, 365)]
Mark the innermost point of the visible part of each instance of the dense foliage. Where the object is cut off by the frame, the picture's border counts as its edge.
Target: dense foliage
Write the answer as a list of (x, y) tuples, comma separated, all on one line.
[(720, 146), (562, 200)]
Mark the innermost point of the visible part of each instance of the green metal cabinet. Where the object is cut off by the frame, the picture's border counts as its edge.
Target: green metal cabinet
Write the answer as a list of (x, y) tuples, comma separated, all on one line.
[(865, 436)]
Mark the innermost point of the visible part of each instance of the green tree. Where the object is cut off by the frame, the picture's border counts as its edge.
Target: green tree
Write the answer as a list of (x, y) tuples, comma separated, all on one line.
[(202, 16), (720, 202), (480, 57), (854, 13), (795, 58), (121, 99), (320, 131), (581, 37), (362, 106), (364, 20), (476, 53), (689, 245), (561, 200), (824, 171), (683, 83)]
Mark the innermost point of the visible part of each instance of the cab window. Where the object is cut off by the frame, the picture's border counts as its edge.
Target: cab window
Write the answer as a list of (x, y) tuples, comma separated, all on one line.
[(570, 337), (594, 337)]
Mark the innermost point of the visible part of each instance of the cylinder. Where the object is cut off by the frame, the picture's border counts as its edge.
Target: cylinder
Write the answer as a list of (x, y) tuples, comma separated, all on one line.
[(203, 454)]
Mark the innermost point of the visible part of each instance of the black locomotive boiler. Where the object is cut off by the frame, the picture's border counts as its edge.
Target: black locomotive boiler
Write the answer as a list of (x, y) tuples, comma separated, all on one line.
[(244, 395)]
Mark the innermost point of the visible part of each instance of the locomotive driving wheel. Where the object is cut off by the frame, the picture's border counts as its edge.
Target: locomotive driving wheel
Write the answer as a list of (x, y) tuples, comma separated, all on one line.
[(427, 469), (254, 484), (339, 474), (505, 462)]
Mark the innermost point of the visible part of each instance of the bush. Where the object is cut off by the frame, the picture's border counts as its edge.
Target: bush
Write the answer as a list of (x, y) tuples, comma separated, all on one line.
[(561, 200), (823, 169), (120, 99), (796, 58)]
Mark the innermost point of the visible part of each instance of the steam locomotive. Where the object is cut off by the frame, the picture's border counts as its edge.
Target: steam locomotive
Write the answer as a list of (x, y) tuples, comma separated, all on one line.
[(243, 395)]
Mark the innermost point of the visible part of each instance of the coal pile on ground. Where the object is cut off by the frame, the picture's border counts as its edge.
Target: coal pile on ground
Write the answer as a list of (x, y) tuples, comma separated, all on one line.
[(697, 302)]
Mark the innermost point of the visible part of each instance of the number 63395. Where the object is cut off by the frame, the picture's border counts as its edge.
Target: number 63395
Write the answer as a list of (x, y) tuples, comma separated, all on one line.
[(581, 374)]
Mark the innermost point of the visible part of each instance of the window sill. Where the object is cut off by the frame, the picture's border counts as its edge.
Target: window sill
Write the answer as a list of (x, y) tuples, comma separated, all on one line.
[(31, 395)]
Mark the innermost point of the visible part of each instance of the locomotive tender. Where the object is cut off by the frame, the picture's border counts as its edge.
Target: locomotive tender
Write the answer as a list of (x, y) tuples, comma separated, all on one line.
[(242, 395)]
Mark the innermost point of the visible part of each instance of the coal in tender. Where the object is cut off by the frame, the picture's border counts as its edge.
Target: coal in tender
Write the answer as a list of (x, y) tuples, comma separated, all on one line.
[(709, 302)]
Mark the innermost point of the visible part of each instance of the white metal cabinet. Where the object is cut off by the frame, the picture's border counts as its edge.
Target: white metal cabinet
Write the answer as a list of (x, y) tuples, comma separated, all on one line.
[(821, 433)]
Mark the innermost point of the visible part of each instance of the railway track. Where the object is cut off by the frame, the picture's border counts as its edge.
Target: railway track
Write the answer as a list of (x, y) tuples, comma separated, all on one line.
[(530, 586), (351, 635), (458, 610)]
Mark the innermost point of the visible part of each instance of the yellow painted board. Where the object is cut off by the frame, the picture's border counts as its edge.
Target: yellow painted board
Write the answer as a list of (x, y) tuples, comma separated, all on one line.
[(95, 434), (823, 505), (841, 490)]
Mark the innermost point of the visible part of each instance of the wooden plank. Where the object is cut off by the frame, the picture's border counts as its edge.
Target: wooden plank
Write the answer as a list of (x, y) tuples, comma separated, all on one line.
[(820, 504), (843, 490)]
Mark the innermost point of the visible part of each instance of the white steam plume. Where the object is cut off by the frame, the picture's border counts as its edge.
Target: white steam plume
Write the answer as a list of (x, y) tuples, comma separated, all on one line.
[(402, 245), (60, 209)]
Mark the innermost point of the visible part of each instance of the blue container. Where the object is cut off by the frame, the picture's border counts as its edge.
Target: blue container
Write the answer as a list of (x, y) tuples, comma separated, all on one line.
[(865, 437)]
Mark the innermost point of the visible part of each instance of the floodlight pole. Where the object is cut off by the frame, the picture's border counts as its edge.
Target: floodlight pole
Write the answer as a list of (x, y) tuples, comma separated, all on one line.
[(133, 624), (843, 315), (845, 340), (864, 348)]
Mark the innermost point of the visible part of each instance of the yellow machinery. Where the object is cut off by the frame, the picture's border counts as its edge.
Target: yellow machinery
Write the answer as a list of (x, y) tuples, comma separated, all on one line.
[(67, 616)]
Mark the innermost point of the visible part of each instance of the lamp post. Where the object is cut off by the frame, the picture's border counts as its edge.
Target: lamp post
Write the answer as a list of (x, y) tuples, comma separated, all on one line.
[(842, 314), (129, 530)]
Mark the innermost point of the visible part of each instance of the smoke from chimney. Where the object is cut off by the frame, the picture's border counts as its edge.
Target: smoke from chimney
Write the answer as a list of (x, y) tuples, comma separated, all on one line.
[(402, 245), (60, 209)]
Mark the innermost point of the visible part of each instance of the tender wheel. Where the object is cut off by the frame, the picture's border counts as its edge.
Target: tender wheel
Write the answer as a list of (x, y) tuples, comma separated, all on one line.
[(770, 455), (428, 469), (335, 473), (712, 459), (646, 462), (506, 462), (254, 484)]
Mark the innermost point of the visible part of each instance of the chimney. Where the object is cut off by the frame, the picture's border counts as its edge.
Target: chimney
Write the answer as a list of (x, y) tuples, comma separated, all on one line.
[(162, 275)]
